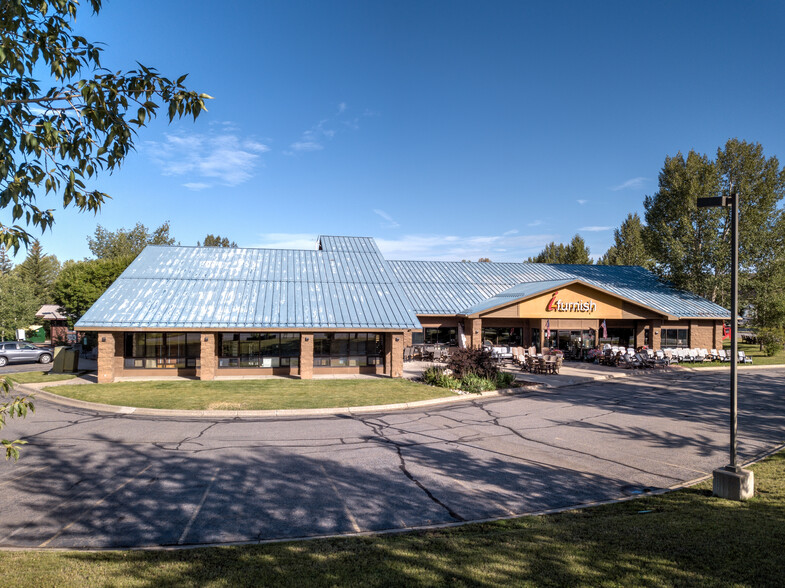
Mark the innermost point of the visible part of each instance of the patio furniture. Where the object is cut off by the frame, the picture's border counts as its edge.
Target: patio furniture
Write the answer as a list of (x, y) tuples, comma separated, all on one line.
[(723, 355), (743, 358)]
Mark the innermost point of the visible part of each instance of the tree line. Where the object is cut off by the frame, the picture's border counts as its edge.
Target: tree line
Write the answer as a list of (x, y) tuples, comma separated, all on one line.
[(690, 246), (74, 286)]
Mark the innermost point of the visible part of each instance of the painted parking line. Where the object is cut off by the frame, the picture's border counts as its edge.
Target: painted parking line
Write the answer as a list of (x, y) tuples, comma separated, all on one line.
[(92, 506), (198, 509), (27, 473), (347, 512)]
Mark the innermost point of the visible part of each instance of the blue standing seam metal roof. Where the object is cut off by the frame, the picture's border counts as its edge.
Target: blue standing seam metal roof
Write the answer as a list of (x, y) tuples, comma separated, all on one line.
[(449, 288), (345, 284)]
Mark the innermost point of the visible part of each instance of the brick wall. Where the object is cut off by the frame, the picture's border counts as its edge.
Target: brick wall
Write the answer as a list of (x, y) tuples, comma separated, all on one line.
[(106, 358), (702, 334), (306, 356)]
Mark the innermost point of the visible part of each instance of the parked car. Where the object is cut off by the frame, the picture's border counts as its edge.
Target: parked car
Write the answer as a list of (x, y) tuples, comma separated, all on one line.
[(22, 352)]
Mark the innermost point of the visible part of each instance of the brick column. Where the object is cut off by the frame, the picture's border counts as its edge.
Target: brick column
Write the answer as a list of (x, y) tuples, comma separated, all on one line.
[(407, 338), (473, 332), (306, 356), (396, 356), (106, 358), (640, 333), (208, 358), (718, 334), (656, 334)]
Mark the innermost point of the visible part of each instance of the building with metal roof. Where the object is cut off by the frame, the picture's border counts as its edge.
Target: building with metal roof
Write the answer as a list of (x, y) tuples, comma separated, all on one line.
[(342, 308)]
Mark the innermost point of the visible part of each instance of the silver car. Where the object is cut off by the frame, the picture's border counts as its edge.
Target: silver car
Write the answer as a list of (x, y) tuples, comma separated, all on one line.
[(21, 352)]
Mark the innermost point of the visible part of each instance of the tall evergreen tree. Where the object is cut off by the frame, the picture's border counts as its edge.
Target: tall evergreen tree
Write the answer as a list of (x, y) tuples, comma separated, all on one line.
[(576, 252), (216, 241), (628, 245), (6, 265), (39, 271)]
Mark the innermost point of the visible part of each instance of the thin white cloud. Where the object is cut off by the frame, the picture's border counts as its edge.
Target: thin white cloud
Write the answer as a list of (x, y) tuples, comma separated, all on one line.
[(391, 222), (509, 248), (536, 223), (581, 202), (196, 185), (595, 229), (510, 232), (633, 183), (306, 146), (458, 247), (224, 156), (287, 241), (315, 138)]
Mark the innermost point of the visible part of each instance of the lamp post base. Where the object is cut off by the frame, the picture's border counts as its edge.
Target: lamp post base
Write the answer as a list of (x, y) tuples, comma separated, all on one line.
[(734, 483)]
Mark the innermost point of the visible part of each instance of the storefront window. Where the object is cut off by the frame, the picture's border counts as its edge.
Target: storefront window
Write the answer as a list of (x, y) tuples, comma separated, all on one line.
[(674, 337), (618, 337), (348, 349), (162, 350), (503, 336), (259, 350), (440, 335)]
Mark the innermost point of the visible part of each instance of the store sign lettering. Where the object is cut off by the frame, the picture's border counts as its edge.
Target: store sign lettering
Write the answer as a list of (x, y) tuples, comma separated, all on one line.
[(561, 306)]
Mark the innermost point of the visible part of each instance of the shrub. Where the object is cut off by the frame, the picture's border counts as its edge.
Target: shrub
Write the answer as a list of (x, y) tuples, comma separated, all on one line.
[(476, 384), (431, 375), (504, 380), (772, 340), (472, 361), (436, 376), (447, 381)]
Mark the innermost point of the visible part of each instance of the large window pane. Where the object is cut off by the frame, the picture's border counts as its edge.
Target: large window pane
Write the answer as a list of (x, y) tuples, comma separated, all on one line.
[(290, 345), (348, 349)]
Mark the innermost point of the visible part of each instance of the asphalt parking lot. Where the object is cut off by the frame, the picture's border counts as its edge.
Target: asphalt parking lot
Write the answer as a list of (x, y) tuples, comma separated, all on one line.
[(93, 480)]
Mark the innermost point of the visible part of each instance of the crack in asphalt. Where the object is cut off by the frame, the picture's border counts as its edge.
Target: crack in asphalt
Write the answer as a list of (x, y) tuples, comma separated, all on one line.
[(495, 421), (379, 432)]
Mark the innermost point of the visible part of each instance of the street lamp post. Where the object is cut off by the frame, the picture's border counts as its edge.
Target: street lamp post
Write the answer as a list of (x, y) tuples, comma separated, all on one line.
[(732, 481)]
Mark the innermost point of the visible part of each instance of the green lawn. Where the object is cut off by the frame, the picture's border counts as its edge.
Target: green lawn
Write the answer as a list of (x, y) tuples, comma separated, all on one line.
[(253, 394), (753, 351), (684, 538), (35, 377)]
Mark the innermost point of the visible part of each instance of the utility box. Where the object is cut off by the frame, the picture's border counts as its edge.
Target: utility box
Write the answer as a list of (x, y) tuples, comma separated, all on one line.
[(66, 360)]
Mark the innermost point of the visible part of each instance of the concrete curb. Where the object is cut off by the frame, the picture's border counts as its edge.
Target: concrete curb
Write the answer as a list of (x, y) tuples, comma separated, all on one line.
[(301, 412), (292, 412)]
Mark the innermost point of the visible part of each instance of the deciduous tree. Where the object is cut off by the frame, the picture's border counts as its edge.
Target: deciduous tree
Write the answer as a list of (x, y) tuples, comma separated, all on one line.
[(57, 134), (18, 304), (691, 245), (105, 244), (81, 283)]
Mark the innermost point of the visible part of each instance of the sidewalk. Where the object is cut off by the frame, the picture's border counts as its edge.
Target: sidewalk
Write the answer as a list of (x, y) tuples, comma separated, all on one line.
[(571, 373)]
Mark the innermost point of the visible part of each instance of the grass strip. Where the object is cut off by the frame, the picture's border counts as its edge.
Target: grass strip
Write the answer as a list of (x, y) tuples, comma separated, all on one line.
[(752, 351), (684, 538), (36, 377), (253, 394)]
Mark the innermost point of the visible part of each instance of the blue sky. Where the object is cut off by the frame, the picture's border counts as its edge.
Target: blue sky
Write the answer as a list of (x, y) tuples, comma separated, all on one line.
[(445, 129)]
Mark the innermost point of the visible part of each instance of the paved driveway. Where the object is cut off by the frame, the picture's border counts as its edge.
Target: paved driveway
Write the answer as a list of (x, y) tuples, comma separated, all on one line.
[(95, 480)]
